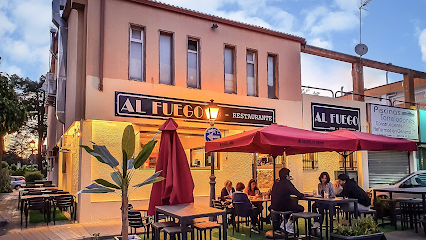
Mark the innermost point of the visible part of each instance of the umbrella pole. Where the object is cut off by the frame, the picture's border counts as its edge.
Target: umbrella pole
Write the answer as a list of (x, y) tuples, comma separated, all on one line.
[(344, 161), (273, 164), (212, 180)]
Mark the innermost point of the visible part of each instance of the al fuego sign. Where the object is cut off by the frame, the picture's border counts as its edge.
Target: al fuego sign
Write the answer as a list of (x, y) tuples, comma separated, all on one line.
[(393, 122), (330, 117), (147, 106)]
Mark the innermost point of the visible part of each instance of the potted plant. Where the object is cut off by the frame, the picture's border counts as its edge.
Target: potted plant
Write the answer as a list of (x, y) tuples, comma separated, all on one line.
[(361, 229), (122, 177)]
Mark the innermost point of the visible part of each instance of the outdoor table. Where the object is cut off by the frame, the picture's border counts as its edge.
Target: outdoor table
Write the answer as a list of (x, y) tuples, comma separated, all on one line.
[(261, 200), (22, 190), (37, 185), (186, 212), (331, 204), (403, 190)]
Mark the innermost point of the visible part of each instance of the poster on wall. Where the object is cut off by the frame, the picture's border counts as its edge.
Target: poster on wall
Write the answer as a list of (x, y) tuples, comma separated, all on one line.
[(422, 125), (393, 122), (331, 117)]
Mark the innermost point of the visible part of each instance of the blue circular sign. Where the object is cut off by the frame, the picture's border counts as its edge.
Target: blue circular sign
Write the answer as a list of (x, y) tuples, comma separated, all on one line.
[(211, 134)]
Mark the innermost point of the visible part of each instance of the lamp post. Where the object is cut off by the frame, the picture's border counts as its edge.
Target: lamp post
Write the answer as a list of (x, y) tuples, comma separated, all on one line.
[(32, 145), (212, 112)]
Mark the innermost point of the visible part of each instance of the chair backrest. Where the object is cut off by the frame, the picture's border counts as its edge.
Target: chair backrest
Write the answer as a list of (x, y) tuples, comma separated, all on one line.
[(48, 184), (64, 201), (241, 209), (32, 192), (37, 203), (218, 204), (135, 218), (30, 185)]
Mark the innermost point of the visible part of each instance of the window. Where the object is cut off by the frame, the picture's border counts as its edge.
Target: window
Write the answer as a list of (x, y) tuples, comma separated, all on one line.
[(272, 77), (351, 163), (229, 62), (193, 64), (418, 180), (198, 158), (310, 161), (251, 74), (136, 54), (166, 56)]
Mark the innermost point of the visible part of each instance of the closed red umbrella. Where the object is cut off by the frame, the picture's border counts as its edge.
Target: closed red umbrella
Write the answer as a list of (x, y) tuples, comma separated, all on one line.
[(178, 186), (277, 139), (372, 142)]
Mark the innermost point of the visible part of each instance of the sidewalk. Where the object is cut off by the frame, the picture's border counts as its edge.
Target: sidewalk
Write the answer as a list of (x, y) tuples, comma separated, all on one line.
[(65, 231)]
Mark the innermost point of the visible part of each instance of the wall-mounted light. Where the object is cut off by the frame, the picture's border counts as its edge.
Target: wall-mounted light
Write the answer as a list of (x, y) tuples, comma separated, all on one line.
[(212, 111), (214, 26)]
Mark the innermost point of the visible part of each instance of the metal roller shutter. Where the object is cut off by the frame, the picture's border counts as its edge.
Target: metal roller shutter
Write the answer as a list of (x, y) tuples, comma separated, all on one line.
[(387, 167)]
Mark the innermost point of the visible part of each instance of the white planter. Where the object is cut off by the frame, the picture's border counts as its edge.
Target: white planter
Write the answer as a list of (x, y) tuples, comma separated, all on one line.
[(131, 237)]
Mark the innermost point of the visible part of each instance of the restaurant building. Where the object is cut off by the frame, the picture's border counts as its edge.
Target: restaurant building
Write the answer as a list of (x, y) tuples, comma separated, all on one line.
[(141, 62)]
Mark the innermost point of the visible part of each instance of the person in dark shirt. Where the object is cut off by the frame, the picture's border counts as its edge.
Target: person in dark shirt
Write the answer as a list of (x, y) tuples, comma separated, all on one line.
[(281, 199), (227, 191), (352, 190), (240, 196)]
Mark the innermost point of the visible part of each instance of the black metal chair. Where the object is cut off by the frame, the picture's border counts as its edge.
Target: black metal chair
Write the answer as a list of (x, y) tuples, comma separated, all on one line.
[(307, 216), (158, 226), (410, 213), (176, 231), (63, 202), (241, 211), (35, 204), (137, 221), (276, 218)]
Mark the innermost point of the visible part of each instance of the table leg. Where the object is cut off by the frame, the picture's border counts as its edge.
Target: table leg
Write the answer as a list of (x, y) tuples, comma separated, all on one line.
[(185, 228), (390, 195), (225, 226), (309, 205), (424, 202), (356, 210), (22, 210), (332, 210)]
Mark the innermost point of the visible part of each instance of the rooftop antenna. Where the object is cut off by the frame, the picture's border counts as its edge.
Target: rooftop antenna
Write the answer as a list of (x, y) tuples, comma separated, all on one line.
[(361, 49)]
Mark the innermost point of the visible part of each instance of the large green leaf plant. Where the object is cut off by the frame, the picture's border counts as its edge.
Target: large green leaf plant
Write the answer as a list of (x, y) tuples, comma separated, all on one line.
[(122, 177)]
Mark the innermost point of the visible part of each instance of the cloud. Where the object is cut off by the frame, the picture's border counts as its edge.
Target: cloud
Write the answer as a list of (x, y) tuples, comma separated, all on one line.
[(318, 42), (422, 43), (24, 33)]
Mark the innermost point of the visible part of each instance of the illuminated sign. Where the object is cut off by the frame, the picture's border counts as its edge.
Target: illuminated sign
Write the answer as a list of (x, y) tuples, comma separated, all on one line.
[(147, 106)]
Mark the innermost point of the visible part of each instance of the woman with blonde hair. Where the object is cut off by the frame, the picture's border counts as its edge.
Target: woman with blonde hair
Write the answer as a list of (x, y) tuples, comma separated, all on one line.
[(227, 191)]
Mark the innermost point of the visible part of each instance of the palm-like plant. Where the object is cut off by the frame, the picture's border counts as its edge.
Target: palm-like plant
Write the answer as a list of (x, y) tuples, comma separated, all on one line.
[(123, 177)]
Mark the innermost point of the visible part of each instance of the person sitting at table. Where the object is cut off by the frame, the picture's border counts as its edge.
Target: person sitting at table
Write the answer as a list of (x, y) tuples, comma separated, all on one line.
[(324, 186), (227, 191), (352, 190), (281, 199), (251, 190), (240, 196)]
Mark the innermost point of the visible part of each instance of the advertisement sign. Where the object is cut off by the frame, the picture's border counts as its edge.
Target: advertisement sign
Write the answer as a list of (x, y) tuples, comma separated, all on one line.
[(422, 125), (330, 117), (147, 106), (393, 122)]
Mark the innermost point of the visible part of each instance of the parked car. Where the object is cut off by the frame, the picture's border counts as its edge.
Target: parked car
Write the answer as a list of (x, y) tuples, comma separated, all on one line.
[(413, 180), (17, 181)]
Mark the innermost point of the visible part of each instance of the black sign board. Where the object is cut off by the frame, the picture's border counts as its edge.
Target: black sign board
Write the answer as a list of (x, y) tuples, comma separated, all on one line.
[(330, 117), (147, 106)]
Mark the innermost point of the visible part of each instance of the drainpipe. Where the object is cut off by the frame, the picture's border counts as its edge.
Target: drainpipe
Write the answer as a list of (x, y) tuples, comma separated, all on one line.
[(61, 24)]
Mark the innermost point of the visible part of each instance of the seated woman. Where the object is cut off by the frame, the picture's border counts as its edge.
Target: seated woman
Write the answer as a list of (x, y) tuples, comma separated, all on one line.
[(227, 191), (240, 196), (251, 190), (324, 186)]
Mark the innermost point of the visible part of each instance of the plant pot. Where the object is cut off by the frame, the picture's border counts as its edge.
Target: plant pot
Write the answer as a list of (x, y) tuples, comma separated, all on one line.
[(131, 237), (376, 236)]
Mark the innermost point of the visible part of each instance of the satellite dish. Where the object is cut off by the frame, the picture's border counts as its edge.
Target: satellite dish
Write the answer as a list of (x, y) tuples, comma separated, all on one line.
[(361, 49)]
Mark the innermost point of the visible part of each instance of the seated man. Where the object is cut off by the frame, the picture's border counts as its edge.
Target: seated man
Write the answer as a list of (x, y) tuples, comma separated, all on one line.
[(352, 190), (240, 196), (281, 199)]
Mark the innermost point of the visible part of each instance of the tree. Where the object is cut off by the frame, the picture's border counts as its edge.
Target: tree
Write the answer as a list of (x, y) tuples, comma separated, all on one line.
[(122, 178), (34, 97), (13, 112)]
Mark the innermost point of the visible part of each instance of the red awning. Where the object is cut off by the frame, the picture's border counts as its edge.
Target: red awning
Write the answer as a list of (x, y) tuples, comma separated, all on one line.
[(178, 187), (277, 139), (372, 142)]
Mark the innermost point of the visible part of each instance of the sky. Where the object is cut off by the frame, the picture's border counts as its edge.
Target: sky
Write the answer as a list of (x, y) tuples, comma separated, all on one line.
[(393, 30)]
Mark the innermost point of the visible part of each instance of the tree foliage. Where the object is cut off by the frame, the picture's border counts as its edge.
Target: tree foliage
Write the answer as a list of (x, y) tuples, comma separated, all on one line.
[(13, 111)]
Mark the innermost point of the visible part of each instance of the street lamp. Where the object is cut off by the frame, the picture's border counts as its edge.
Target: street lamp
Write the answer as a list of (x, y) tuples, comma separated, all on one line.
[(32, 145), (212, 111)]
